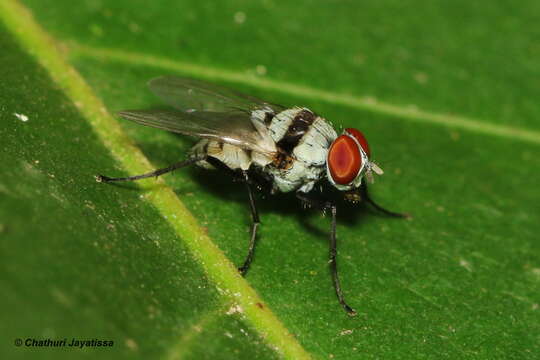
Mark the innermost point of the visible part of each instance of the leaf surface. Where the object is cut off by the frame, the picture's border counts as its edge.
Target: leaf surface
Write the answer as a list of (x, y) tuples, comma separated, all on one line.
[(461, 279)]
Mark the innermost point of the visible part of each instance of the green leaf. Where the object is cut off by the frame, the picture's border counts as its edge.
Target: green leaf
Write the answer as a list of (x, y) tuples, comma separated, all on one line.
[(132, 264)]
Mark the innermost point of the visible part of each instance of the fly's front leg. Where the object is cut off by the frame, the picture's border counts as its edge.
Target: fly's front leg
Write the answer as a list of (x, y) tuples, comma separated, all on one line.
[(155, 173), (365, 196), (328, 206), (254, 226)]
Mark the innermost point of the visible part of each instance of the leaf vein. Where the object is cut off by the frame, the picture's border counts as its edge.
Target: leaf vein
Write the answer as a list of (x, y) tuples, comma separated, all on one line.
[(354, 101), (20, 22)]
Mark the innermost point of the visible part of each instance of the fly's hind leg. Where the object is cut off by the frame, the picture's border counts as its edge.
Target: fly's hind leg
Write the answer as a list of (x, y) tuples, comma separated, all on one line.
[(254, 226), (365, 196), (325, 206), (155, 173)]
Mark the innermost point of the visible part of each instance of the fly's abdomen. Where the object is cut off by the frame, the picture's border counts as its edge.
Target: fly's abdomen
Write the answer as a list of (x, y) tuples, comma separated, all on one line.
[(230, 155)]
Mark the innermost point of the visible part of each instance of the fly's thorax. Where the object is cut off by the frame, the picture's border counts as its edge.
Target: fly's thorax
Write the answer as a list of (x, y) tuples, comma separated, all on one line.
[(302, 134), (298, 175), (302, 140), (281, 122), (313, 147), (282, 160)]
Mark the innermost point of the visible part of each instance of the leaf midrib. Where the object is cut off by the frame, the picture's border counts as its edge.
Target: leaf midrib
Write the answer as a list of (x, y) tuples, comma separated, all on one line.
[(219, 269)]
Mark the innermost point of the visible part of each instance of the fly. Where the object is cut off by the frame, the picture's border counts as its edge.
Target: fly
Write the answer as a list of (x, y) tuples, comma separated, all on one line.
[(292, 149)]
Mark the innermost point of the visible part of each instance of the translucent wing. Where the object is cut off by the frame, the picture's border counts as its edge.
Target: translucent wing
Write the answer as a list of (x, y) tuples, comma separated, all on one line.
[(190, 95), (233, 127)]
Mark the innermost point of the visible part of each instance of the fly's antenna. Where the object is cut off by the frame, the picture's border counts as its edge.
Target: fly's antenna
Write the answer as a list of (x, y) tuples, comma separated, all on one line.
[(373, 168)]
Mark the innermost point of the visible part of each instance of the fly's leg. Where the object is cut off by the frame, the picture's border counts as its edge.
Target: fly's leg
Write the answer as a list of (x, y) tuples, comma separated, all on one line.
[(333, 264), (333, 246), (243, 176), (254, 225), (155, 173), (365, 196)]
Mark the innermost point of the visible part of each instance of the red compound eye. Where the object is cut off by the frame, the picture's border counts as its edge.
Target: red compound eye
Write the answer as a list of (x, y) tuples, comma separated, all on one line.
[(361, 139), (344, 160)]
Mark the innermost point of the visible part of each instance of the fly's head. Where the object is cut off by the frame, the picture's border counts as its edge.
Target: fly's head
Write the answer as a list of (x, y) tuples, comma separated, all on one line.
[(348, 161)]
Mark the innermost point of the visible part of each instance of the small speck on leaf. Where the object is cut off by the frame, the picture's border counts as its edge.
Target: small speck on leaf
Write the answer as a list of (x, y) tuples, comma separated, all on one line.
[(465, 264), (261, 70), (235, 309), (21, 117), (239, 17), (131, 344)]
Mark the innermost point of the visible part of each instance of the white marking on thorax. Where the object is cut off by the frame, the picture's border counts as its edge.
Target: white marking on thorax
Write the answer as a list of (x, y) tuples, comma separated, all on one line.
[(281, 122), (313, 147)]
